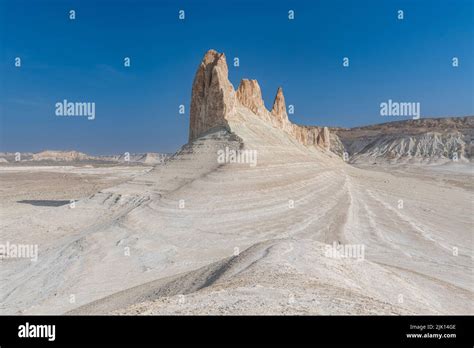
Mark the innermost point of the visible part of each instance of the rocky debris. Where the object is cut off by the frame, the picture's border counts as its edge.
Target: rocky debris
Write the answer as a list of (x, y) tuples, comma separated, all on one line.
[(214, 101)]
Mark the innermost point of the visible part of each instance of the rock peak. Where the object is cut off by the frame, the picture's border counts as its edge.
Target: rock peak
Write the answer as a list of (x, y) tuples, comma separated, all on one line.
[(213, 95), (279, 106), (215, 103), (250, 95)]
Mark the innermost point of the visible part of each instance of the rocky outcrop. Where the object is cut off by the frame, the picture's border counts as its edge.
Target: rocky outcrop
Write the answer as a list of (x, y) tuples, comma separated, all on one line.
[(213, 96), (279, 107), (311, 135), (214, 101), (250, 95), (323, 138), (67, 156), (434, 140)]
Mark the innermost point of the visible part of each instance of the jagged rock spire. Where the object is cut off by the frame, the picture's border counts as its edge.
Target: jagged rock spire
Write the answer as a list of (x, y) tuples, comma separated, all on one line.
[(213, 96), (250, 95), (279, 106), (214, 102)]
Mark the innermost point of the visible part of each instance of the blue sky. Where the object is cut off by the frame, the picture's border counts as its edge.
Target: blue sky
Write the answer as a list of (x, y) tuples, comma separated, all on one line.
[(137, 107)]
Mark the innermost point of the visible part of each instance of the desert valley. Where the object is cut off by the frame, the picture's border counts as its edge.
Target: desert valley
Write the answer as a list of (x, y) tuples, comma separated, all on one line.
[(307, 220)]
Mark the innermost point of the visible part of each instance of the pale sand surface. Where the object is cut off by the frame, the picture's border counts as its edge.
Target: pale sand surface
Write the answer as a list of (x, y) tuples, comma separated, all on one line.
[(181, 260)]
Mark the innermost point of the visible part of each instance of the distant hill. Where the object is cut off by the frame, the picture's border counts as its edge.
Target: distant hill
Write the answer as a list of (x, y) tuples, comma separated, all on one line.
[(429, 140), (72, 157)]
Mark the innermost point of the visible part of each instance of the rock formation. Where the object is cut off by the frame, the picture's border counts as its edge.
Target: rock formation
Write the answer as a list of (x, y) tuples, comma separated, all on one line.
[(279, 107), (68, 156), (323, 138), (148, 158), (214, 101), (250, 95), (213, 96), (434, 140)]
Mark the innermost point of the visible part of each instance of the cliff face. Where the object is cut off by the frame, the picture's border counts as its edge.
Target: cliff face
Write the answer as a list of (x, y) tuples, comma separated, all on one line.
[(214, 101), (213, 96)]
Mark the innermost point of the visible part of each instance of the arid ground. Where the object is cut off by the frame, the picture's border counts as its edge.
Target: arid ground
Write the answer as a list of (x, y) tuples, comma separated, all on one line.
[(194, 237), (300, 229)]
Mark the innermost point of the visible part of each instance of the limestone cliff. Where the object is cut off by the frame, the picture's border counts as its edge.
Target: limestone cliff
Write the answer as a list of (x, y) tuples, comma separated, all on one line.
[(250, 95), (279, 107), (214, 101), (213, 96)]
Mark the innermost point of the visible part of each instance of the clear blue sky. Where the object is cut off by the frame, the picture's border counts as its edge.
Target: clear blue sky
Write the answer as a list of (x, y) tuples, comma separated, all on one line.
[(137, 107)]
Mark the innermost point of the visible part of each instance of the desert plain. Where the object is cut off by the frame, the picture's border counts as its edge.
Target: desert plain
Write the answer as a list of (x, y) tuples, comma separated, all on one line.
[(191, 235)]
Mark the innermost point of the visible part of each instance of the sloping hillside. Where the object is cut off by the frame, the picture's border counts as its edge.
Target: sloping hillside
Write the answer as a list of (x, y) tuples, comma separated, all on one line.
[(435, 140)]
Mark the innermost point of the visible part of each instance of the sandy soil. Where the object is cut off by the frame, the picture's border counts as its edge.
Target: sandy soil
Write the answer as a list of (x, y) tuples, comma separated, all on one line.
[(247, 240)]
